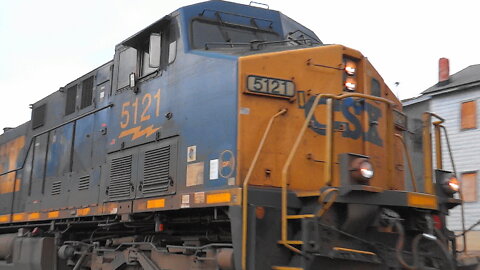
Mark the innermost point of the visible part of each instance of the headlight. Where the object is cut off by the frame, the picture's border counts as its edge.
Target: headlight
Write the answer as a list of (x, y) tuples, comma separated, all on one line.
[(350, 67), (349, 74), (451, 184), (350, 84), (361, 170), (366, 170)]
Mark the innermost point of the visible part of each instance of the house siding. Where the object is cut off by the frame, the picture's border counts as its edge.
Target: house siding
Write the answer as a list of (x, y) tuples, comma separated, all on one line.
[(465, 147)]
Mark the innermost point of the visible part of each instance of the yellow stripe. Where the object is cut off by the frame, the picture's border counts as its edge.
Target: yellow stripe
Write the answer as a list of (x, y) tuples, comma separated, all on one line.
[(4, 218), (422, 200), (83, 211), (33, 216), (158, 203), (53, 214), (219, 198), (18, 217)]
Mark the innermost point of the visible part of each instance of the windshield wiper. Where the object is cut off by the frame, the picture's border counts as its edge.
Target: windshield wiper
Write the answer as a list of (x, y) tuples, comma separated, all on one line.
[(303, 34), (230, 44), (256, 45), (224, 33)]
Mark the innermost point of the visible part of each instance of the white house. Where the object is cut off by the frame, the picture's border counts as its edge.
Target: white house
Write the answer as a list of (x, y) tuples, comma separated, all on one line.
[(456, 99)]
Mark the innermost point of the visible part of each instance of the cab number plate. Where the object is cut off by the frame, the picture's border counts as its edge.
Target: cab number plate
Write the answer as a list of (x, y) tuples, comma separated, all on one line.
[(270, 86)]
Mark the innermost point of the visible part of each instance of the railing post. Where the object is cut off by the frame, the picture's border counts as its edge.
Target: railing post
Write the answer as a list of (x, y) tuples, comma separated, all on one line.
[(427, 153), (329, 146), (389, 144), (245, 188), (438, 146)]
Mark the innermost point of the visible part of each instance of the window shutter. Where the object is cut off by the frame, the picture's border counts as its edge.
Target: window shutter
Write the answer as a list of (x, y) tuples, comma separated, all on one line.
[(469, 187), (469, 115)]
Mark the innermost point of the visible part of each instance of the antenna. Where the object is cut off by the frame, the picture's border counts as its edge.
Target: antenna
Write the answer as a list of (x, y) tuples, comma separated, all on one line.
[(396, 88)]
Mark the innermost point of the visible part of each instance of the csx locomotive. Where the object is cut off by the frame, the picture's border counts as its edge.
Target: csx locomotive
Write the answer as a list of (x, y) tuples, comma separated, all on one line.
[(223, 136)]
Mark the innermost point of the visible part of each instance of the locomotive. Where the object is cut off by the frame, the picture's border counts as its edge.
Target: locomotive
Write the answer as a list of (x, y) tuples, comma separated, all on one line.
[(223, 136)]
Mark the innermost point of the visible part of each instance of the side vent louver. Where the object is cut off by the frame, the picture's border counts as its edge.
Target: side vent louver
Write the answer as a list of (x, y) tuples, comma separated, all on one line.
[(84, 182), (71, 100), (56, 188), (38, 116), (87, 93), (120, 178), (156, 171)]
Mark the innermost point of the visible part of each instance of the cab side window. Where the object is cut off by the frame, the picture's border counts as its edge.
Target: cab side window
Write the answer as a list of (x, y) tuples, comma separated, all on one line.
[(147, 52), (127, 65)]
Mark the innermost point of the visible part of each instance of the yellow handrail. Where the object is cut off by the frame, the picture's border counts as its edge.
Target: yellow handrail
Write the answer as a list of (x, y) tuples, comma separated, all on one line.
[(285, 171), (329, 138), (245, 188), (427, 149), (329, 152)]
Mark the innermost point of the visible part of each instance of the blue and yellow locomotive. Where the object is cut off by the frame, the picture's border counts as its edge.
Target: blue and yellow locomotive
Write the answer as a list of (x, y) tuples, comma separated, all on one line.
[(223, 136)]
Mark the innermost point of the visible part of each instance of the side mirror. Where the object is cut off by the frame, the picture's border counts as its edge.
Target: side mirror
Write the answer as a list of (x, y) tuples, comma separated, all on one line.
[(154, 50)]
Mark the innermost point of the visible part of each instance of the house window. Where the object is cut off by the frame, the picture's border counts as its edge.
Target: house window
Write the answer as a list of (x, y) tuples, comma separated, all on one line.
[(469, 186), (469, 115)]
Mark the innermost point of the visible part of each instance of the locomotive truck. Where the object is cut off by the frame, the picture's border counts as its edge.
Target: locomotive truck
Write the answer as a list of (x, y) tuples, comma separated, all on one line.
[(223, 136)]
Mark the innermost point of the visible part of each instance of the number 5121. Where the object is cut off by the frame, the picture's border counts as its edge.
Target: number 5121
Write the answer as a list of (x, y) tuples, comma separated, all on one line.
[(139, 110)]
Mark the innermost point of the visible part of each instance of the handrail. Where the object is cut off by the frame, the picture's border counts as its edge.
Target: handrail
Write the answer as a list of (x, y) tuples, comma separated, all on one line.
[(427, 149), (460, 191), (438, 155), (409, 161), (438, 143), (53, 128), (329, 158), (245, 187)]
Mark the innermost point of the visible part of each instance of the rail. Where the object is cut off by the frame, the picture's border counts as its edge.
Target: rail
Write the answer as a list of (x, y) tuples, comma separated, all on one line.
[(245, 187), (427, 149), (329, 151), (427, 138)]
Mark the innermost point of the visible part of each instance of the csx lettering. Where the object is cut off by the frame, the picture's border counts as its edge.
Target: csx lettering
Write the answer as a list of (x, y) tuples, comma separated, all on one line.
[(351, 110)]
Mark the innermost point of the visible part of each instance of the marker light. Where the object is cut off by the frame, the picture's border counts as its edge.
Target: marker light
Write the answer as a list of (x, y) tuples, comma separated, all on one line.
[(451, 185), (350, 67), (361, 170), (350, 84), (454, 184)]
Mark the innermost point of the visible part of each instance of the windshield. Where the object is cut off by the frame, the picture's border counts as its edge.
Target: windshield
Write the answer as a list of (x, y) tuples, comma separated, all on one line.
[(206, 34)]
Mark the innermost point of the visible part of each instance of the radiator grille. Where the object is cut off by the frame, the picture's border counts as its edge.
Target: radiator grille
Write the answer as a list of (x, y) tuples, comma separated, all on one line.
[(71, 100), (156, 171), (120, 178), (56, 188), (38, 116), (84, 182), (87, 93)]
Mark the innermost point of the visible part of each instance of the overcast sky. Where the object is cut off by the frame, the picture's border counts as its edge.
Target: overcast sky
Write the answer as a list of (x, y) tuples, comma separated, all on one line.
[(46, 44)]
